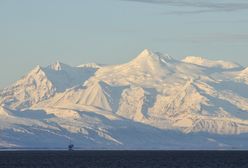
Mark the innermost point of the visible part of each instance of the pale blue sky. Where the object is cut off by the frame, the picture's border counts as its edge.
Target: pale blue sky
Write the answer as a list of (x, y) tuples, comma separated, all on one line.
[(114, 31)]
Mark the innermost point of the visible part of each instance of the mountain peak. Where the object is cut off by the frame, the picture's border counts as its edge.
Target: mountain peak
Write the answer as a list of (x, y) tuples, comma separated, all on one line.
[(151, 57), (149, 62), (147, 52), (210, 63), (37, 68), (57, 66)]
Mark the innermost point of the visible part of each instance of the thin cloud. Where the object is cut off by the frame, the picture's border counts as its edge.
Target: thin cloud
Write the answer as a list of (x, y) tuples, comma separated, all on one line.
[(241, 37), (201, 6), (223, 38), (233, 38)]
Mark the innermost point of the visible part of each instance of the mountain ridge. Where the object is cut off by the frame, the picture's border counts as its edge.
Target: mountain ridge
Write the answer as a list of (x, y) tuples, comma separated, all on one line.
[(154, 96)]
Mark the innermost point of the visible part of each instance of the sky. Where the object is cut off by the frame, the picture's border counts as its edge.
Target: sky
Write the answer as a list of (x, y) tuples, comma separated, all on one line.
[(75, 32)]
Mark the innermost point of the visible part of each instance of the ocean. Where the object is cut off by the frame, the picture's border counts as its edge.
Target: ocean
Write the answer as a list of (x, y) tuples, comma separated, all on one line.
[(124, 159)]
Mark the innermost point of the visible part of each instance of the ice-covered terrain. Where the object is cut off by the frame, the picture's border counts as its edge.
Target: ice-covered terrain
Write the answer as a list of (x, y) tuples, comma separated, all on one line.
[(152, 102)]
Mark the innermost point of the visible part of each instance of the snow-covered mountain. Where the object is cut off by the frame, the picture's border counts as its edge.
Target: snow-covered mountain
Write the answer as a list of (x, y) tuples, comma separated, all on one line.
[(42, 83), (152, 102)]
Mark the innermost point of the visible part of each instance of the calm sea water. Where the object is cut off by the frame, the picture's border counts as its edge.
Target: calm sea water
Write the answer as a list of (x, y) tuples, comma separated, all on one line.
[(124, 159)]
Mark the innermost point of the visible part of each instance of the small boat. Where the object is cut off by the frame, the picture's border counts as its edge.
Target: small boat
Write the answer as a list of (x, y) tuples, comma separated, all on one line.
[(70, 146)]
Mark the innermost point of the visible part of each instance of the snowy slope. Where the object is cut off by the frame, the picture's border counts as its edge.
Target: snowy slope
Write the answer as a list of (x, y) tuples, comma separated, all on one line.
[(210, 63), (152, 102), (42, 83)]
